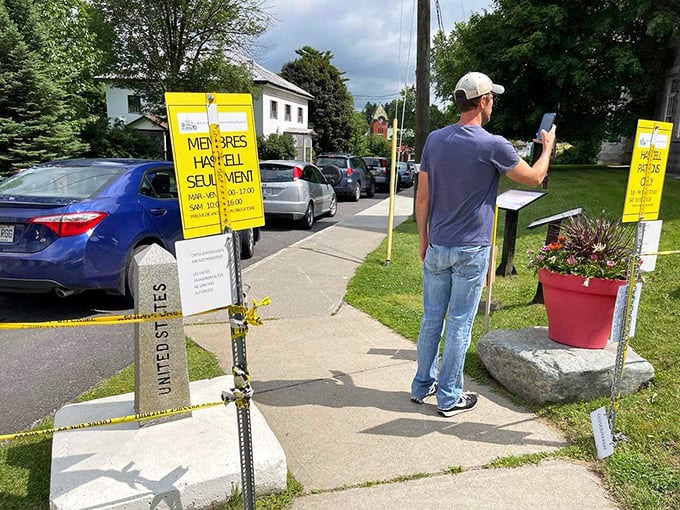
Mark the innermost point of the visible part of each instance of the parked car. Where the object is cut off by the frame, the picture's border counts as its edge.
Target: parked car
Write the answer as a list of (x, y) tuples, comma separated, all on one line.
[(296, 190), (74, 225), (380, 168), (405, 174), (348, 174)]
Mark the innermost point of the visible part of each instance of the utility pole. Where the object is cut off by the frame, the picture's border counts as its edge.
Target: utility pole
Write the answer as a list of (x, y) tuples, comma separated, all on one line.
[(422, 82)]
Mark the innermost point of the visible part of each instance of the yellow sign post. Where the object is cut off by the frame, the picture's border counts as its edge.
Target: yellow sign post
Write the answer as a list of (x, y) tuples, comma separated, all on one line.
[(218, 180), (642, 202), (647, 171), (205, 208)]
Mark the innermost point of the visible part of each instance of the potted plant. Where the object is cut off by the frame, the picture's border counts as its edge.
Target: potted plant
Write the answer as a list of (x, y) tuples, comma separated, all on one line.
[(581, 273)]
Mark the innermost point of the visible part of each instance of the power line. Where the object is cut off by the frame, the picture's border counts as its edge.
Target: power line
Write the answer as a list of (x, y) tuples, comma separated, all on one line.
[(375, 97), (439, 15)]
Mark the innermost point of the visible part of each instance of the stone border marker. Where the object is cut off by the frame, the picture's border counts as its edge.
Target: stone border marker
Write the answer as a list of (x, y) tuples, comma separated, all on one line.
[(161, 371)]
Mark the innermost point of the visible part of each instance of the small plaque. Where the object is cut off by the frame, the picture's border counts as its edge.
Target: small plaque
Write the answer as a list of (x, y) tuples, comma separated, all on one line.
[(556, 217), (604, 443), (516, 199)]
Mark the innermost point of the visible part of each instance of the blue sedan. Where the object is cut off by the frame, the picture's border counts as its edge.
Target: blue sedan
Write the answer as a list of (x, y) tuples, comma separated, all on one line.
[(74, 225)]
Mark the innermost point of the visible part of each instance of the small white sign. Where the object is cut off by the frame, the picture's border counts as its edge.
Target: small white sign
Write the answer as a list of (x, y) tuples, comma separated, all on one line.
[(203, 269), (651, 233), (198, 123), (604, 443), (660, 140), (620, 311)]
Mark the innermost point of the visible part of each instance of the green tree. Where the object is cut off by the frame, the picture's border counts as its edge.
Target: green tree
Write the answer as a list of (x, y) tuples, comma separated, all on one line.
[(276, 146), (118, 141), (35, 122), (359, 133), (71, 50), (596, 64), (403, 108), (59, 31), (376, 145), (438, 118), (189, 45), (368, 111), (331, 112)]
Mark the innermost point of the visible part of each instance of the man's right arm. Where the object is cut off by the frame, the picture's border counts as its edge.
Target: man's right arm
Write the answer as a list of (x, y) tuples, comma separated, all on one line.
[(422, 211), (533, 175)]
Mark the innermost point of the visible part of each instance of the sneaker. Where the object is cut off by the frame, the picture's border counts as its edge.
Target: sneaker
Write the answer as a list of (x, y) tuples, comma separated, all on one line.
[(466, 402), (430, 392)]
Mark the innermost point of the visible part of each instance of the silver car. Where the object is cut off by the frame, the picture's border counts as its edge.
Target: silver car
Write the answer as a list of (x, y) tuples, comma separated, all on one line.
[(297, 191)]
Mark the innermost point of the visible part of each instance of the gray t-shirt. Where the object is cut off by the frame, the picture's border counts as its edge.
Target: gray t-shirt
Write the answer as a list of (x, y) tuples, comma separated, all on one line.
[(463, 165)]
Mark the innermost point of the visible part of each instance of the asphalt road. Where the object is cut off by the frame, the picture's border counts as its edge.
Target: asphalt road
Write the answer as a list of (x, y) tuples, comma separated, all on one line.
[(44, 369)]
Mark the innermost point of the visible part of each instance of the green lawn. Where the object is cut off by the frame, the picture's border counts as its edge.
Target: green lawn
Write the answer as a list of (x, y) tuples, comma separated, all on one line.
[(644, 472)]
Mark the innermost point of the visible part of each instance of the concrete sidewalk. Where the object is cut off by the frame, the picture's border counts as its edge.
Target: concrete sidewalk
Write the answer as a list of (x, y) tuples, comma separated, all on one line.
[(333, 385)]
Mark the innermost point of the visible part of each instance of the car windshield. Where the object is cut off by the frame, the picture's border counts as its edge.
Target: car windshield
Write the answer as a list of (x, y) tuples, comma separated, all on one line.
[(276, 173), (60, 181), (372, 161), (329, 160)]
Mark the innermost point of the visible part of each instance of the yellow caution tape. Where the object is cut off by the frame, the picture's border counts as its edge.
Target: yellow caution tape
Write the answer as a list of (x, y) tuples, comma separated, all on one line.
[(240, 398), (670, 252), (113, 421), (251, 317), (93, 321)]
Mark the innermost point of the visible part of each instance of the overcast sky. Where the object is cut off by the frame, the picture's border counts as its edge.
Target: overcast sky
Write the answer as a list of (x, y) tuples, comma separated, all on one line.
[(363, 35)]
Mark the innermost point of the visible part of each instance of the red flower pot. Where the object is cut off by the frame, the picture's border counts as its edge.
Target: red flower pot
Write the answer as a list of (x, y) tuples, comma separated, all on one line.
[(578, 315)]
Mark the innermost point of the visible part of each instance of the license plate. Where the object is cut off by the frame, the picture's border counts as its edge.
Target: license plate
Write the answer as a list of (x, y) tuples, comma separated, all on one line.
[(6, 233)]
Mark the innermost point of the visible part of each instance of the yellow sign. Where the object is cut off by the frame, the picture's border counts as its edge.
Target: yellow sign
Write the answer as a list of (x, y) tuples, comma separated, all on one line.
[(194, 150), (647, 171)]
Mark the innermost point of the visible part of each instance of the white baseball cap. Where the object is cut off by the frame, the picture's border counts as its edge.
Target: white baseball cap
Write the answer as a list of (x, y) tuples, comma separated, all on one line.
[(477, 84)]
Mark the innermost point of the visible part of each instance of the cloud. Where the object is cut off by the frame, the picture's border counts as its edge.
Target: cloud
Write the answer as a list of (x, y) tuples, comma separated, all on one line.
[(373, 43)]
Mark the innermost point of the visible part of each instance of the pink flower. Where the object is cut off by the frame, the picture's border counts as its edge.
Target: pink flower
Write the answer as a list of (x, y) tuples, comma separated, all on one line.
[(593, 257), (611, 263), (571, 260), (540, 258)]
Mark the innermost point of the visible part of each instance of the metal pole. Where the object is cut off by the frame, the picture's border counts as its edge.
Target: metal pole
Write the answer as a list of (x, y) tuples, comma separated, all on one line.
[(490, 271), (632, 277), (393, 175), (241, 378), (422, 84), (236, 319)]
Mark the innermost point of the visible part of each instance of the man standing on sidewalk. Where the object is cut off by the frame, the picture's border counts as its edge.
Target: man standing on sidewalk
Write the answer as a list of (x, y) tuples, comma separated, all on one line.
[(457, 186)]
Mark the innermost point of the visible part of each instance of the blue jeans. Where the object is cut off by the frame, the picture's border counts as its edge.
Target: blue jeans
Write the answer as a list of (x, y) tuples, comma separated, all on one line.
[(453, 278)]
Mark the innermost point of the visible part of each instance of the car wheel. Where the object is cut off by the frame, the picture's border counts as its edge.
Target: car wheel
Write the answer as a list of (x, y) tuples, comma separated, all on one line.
[(129, 273), (371, 189), (333, 207), (356, 195), (247, 243), (307, 220)]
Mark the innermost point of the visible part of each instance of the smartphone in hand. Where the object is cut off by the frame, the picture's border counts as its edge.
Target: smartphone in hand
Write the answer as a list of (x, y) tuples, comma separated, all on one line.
[(546, 123)]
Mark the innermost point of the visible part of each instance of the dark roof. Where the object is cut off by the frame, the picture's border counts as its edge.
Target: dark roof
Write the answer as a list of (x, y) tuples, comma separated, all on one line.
[(262, 75)]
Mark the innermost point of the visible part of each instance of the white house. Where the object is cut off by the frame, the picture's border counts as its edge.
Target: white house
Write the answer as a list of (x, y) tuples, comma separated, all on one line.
[(278, 106)]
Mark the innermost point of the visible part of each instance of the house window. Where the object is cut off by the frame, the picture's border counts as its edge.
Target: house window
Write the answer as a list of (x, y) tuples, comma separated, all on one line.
[(134, 104), (300, 117), (273, 110), (287, 117)]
